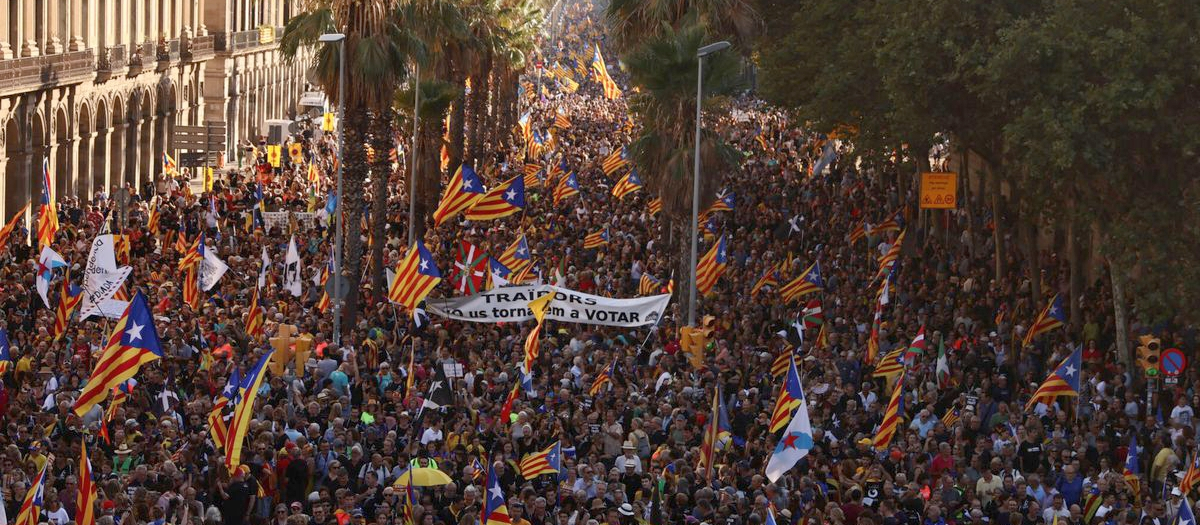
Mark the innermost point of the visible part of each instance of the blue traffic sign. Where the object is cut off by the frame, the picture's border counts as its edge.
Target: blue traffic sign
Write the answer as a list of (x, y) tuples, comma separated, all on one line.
[(1172, 362)]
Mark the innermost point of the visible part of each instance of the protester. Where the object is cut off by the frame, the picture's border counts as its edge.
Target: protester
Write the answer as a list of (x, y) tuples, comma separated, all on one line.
[(331, 435)]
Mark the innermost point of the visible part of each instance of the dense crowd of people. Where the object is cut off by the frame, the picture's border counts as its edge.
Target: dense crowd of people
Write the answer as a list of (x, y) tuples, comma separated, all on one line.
[(331, 437)]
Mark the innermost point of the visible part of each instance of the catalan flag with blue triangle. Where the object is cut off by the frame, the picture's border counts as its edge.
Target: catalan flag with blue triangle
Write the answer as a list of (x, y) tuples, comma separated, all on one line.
[(1052, 317), (1063, 381), (630, 183), (133, 343), (502, 201), (463, 190), (711, 266)]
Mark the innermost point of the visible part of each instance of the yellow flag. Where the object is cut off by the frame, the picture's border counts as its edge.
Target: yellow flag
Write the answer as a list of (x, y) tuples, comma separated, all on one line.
[(274, 152), (540, 305), (327, 122), (208, 179)]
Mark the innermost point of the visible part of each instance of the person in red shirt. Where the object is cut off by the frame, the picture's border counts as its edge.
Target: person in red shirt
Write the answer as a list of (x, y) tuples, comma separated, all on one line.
[(943, 461)]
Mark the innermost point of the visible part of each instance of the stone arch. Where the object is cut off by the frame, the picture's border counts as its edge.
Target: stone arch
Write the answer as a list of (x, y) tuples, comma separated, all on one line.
[(83, 160), (16, 170), (118, 136), (60, 163), (39, 149), (144, 149), (165, 120), (101, 148)]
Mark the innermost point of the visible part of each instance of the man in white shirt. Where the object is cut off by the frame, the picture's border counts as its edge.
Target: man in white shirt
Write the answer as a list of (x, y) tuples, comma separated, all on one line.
[(628, 459), (433, 433)]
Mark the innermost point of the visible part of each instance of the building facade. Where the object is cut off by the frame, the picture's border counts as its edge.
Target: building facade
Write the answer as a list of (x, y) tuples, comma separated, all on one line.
[(96, 87)]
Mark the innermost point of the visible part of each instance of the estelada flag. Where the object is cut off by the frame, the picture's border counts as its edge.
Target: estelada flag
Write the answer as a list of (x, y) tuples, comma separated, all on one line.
[(462, 191)]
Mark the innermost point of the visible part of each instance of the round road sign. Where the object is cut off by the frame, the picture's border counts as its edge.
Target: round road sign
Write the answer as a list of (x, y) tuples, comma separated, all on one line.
[(1172, 362)]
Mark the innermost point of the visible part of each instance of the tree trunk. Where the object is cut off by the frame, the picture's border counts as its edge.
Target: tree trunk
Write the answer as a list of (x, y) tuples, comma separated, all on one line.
[(355, 171), (458, 133), (1118, 292), (429, 181), (1029, 233), (997, 236), (478, 101), (1075, 260), (381, 171), (965, 183)]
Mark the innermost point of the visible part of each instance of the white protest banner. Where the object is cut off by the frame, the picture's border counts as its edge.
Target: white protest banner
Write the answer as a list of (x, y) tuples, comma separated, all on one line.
[(211, 269), (103, 257), (511, 304), (275, 218), (98, 289)]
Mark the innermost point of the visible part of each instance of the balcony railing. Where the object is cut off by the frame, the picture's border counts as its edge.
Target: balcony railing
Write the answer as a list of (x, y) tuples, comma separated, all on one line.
[(168, 51), (198, 48), (143, 54), (239, 42), (113, 59), (32, 73)]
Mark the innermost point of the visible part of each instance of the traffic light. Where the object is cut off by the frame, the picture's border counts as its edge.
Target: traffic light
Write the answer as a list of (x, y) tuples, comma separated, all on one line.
[(1148, 353), (694, 340)]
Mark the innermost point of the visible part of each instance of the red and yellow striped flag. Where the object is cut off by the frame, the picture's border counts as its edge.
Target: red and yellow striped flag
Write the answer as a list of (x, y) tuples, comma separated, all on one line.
[(891, 416)]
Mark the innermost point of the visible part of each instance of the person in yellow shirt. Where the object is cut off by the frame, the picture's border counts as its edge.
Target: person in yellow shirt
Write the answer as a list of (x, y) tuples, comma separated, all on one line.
[(516, 512), (1164, 463), (36, 457)]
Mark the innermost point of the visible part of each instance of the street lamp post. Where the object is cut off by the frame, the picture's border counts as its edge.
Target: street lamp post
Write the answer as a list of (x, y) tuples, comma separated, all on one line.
[(340, 40), (412, 173), (700, 54)]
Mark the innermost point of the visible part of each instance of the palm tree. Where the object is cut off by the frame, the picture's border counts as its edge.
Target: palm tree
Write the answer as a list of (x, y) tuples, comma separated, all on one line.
[(665, 70), (436, 97), (520, 24), (377, 50), (631, 22)]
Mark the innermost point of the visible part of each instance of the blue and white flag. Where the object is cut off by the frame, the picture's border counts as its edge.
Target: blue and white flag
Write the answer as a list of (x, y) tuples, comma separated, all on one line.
[(795, 443)]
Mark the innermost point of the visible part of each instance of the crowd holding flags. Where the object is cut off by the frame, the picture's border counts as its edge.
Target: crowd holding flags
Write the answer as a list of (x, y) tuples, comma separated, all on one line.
[(11, 226), (538, 307), (217, 426), (611, 91), (808, 282), (495, 511), (6, 360), (133, 343), (603, 378), (797, 439), (789, 398), (770, 278), (891, 416), (1063, 381), (648, 285), (630, 183), (711, 266), (48, 212), (596, 239), (614, 161), (1052, 317), (655, 206), (463, 190), (516, 256), (568, 186), (889, 259), (503, 200), (1132, 469), (1192, 476), (545, 461), (244, 411), (416, 275), (86, 500), (31, 507)]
